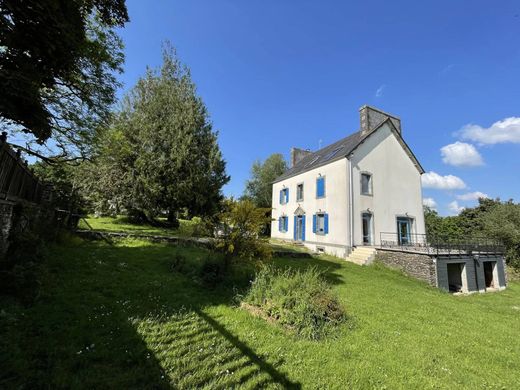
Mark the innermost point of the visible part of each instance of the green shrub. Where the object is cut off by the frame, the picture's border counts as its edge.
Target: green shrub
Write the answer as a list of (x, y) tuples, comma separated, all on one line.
[(214, 269), (179, 263), (242, 223), (302, 301)]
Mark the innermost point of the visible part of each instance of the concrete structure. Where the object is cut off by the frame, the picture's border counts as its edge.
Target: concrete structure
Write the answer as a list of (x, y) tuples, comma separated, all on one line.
[(465, 273), (344, 195)]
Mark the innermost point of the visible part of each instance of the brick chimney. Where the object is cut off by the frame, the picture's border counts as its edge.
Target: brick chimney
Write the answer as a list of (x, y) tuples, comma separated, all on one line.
[(297, 155), (371, 117)]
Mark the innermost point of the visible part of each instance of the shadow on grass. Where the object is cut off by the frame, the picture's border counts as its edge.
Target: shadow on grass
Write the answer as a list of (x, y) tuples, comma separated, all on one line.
[(118, 317)]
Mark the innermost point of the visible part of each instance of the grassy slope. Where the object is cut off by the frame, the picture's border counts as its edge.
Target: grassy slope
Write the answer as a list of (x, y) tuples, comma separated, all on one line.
[(148, 327), (123, 224)]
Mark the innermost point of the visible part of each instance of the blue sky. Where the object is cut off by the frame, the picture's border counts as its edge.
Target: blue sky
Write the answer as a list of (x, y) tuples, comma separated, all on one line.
[(277, 74)]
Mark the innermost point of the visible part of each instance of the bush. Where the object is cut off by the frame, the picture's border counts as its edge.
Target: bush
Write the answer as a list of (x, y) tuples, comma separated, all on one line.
[(242, 224), (214, 269), (302, 301)]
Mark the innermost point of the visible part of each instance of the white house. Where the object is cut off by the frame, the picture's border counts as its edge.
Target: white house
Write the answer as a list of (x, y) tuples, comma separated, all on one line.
[(353, 192)]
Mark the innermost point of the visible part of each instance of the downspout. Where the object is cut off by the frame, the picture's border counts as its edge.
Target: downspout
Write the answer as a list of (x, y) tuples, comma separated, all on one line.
[(351, 203)]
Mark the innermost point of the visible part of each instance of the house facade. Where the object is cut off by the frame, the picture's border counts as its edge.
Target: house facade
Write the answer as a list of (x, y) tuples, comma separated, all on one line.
[(353, 192)]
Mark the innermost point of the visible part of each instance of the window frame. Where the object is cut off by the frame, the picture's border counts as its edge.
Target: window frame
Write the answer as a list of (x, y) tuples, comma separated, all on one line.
[(370, 184), (285, 224), (298, 198), (322, 217), (285, 197)]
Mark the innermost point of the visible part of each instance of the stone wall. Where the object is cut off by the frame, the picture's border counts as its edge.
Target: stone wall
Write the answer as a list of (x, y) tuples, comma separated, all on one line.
[(6, 213), (25, 220), (416, 265)]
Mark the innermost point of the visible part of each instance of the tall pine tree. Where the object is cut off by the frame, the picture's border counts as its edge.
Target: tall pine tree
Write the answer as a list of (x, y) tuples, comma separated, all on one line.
[(161, 154)]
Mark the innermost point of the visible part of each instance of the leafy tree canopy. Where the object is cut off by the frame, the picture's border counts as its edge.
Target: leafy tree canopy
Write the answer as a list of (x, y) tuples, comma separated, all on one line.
[(491, 218), (260, 187), (161, 153), (57, 64)]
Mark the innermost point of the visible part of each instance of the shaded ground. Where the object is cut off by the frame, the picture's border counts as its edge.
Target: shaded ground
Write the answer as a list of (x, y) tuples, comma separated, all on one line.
[(119, 317)]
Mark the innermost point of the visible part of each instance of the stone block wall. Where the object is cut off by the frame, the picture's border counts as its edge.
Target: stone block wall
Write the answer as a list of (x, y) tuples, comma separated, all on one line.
[(416, 265), (21, 217)]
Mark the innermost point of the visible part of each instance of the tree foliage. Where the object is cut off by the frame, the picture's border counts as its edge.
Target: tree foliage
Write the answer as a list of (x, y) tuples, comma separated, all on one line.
[(491, 218), (243, 223), (57, 67), (260, 187), (161, 153)]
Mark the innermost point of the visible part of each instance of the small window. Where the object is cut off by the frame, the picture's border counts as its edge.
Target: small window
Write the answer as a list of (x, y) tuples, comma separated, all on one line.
[(284, 196), (320, 223), (299, 192), (283, 224), (331, 154), (312, 161), (366, 184), (320, 187)]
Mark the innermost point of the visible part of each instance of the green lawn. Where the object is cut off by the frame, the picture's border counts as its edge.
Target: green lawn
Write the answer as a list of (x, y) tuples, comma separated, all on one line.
[(118, 317), (123, 224)]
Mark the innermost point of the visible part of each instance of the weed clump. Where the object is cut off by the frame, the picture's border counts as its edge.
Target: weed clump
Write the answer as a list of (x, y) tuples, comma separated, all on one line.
[(299, 300)]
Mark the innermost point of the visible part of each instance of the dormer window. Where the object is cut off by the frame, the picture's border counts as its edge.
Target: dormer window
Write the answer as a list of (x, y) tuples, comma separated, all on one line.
[(366, 184)]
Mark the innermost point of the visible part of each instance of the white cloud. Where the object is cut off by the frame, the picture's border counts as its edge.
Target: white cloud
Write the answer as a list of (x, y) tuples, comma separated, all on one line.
[(472, 196), (380, 90), (506, 130), (448, 182), (461, 154), (455, 208), (430, 202)]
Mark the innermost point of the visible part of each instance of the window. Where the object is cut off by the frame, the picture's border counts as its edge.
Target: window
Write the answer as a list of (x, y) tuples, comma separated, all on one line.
[(299, 192), (366, 184), (283, 224), (312, 161), (320, 223), (331, 154), (284, 196), (320, 187)]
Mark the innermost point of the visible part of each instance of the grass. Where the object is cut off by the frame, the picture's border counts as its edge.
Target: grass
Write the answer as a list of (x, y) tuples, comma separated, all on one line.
[(123, 224), (119, 317)]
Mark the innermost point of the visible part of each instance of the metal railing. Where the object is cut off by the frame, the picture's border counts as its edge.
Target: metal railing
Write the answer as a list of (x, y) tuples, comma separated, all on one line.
[(440, 245), (17, 181)]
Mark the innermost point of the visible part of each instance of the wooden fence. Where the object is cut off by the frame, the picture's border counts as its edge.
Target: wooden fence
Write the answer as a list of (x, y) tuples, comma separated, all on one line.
[(17, 181)]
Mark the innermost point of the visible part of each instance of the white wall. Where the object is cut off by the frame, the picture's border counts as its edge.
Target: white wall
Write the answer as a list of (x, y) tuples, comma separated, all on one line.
[(335, 203), (396, 184)]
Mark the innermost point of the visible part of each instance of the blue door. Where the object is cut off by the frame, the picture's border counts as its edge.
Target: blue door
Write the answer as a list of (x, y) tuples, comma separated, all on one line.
[(299, 228)]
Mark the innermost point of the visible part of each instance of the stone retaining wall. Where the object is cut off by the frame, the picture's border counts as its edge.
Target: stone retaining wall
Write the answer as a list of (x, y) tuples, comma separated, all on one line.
[(417, 265)]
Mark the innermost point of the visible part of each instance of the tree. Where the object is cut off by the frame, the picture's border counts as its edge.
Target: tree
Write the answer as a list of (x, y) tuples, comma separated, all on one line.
[(502, 221), (57, 67), (243, 222), (260, 187), (161, 153)]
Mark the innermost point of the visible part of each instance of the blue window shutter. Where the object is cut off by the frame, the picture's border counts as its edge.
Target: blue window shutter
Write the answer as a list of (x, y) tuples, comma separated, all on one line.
[(280, 224), (314, 223), (320, 187), (294, 228), (326, 223), (303, 228), (286, 224), (287, 196), (281, 196)]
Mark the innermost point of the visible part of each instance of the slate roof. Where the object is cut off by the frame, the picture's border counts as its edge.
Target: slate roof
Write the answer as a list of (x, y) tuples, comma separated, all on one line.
[(339, 150), (326, 155)]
